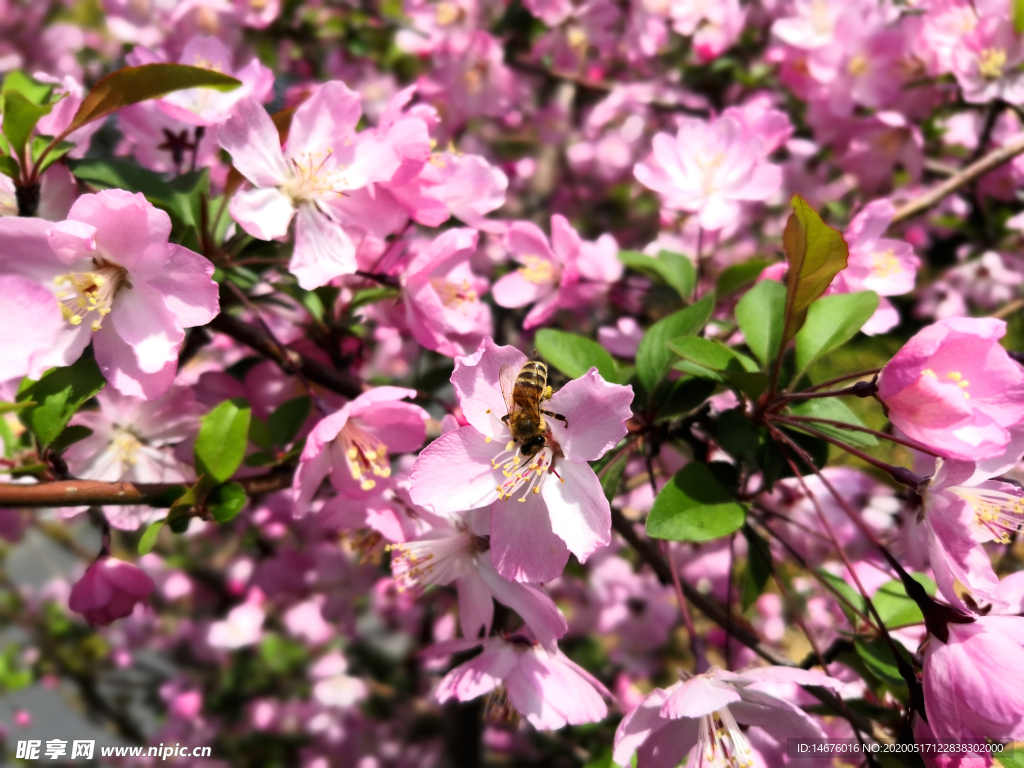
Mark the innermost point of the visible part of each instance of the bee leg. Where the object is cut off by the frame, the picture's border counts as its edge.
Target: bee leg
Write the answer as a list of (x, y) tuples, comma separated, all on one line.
[(505, 418), (558, 416)]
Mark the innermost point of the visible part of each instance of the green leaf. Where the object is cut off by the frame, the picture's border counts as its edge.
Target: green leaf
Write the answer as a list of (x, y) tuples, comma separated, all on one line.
[(612, 477), (372, 296), (287, 420), (877, 657), (834, 409), (259, 433), (653, 357), (59, 394), (686, 394), (759, 566), (709, 358), (20, 118), (226, 501), (673, 269), (223, 436), (39, 143), (8, 407), (8, 165), (816, 254), (33, 90), (893, 605), (192, 191), (761, 314), (1013, 757), (852, 597), (739, 275), (694, 506), (131, 85), (831, 322), (1017, 13), (574, 355), (68, 437), (148, 540)]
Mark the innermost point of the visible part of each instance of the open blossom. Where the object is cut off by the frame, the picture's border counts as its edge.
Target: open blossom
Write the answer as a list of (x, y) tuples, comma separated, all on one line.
[(352, 445), (706, 712), (987, 62), (444, 310), (953, 388), (452, 552), (242, 626), (709, 168), (549, 268), (117, 282), (545, 687), (973, 681), (544, 506), (325, 168), (109, 590), (965, 507), (131, 441), (876, 263)]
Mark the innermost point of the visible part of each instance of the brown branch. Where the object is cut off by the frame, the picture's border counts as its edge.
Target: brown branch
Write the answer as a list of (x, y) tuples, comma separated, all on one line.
[(975, 170), (703, 603), (289, 360), (80, 493)]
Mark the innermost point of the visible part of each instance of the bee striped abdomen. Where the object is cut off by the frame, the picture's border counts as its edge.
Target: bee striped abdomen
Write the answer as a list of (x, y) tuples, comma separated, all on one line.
[(530, 384)]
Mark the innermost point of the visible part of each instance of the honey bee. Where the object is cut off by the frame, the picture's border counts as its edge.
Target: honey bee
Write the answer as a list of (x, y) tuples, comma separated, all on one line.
[(524, 391)]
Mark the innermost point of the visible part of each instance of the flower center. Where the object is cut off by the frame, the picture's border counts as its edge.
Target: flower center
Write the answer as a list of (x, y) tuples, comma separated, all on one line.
[(418, 564), (991, 63), (956, 377), (858, 66), (314, 176), (519, 475), (125, 447), (447, 13), (366, 455), (452, 294), (537, 270), (997, 512), (83, 293), (722, 742), (884, 264)]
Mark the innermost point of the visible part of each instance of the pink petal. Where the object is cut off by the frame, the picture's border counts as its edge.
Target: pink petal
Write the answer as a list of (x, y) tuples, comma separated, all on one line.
[(187, 286), (252, 140), (638, 725), (514, 290), (120, 367), (479, 675), (309, 475), (454, 473), (126, 224), (565, 240), (698, 696), (537, 610), (526, 239), (476, 606), (323, 250), (523, 546), (143, 321), (73, 240), (550, 694), (477, 382), (579, 512), (264, 213), (32, 310), (328, 118), (597, 413)]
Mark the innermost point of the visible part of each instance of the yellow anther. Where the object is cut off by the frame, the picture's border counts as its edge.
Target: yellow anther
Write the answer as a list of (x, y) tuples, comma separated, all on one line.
[(991, 63), (537, 270)]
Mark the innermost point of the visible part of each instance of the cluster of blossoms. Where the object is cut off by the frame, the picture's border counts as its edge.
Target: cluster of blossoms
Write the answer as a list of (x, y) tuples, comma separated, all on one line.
[(271, 272)]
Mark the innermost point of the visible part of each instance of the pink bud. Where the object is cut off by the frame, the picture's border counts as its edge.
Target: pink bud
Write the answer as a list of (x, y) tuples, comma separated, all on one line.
[(109, 590)]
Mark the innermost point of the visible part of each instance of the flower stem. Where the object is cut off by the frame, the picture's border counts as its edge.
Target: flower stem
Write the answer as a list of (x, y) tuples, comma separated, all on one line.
[(858, 428)]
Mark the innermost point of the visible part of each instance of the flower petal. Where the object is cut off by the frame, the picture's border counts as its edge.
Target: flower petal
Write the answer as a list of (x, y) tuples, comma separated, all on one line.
[(454, 473), (264, 213), (579, 512), (187, 286), (142, 319), (252, 140), (523, 546), (323, 249), (596, 412), (479, 675), (477, 382), (533, 605)]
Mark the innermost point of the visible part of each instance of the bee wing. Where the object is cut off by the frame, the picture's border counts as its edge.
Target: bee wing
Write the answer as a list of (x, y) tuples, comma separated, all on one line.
[(507, 380)]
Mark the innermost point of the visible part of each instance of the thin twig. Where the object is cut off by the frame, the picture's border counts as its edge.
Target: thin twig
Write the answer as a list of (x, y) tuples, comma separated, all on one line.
[(858, 428), (975, 170)]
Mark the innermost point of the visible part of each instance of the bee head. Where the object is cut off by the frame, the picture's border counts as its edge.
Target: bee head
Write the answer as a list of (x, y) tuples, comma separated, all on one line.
[(532, 446)]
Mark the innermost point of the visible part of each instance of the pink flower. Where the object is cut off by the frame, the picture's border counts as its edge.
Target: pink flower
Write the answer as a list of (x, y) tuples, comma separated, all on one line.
[(119, 283), (708, 169), (352, 445), (324, 175), (109, 590), (131, 441), (973, 680), (544, 506), (953, 388), (987, 62), (444, 311), (452, 552), (548, 268), (545, 687), (705, 712), (242, 626)]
